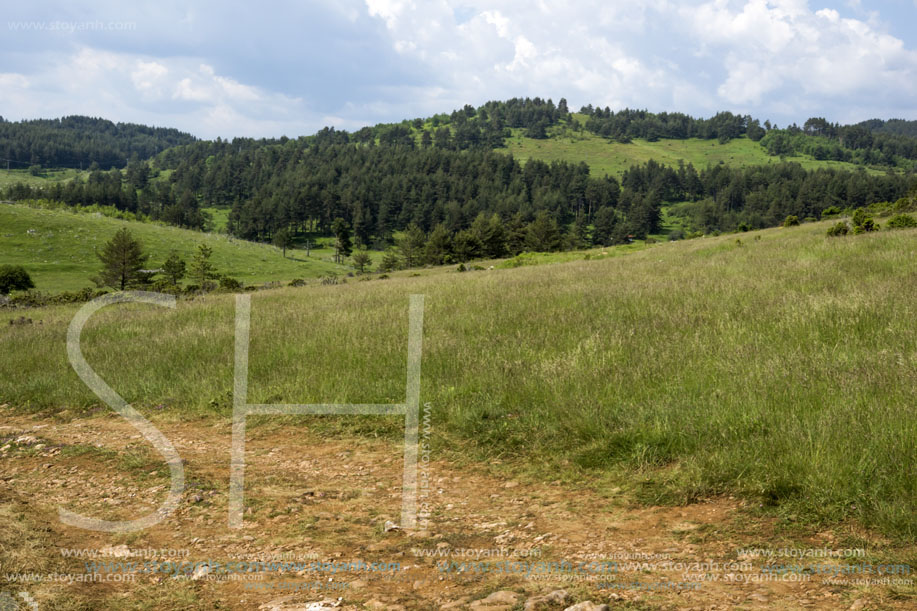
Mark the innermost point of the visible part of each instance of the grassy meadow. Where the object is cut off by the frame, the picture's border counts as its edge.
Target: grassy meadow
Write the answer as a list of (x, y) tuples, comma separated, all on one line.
[(776, 365), (60, 255), (614, 158)]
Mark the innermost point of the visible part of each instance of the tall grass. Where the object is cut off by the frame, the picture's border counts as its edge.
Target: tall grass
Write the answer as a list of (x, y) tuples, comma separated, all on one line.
[(781, 368)]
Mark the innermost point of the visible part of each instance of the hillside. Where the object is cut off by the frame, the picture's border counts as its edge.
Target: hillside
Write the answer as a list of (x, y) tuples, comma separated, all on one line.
[(604, 156), (60, 254), (79, 142), (758, 387), (597, 177)]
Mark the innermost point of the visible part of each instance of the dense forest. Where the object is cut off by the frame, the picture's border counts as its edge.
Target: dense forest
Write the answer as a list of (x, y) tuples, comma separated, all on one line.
[(440, 175), (78, 142)]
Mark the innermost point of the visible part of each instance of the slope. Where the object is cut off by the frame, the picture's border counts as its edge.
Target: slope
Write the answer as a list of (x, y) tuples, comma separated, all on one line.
[(613, 158), (58, 247)]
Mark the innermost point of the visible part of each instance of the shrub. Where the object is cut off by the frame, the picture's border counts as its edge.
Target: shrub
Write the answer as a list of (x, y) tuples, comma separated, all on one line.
[(830, 211), (297, 282), (36, 299), (867, 225), (460, 268), (791, 221), (14, 278), (838, 229), (228, 283), (902, 221)]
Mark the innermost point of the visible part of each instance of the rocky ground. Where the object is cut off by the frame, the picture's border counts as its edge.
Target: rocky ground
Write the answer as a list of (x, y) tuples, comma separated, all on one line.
[(329, 509)]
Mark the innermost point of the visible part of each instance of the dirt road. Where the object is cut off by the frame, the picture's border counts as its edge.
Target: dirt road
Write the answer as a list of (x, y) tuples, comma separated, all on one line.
[(318, 527)]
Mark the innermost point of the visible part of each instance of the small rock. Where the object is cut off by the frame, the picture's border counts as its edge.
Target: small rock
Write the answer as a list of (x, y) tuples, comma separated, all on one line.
[(390, 526), (200, 572), (858, 604), (502, 600), (588, 605), (196, 498), (548, 601)]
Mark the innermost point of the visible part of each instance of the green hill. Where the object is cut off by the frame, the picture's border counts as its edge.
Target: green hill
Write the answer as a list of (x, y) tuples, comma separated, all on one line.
[(58, 247)]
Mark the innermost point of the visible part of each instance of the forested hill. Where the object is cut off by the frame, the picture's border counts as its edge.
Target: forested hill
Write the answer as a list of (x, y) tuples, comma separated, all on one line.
[(78, 142), (440, 175)]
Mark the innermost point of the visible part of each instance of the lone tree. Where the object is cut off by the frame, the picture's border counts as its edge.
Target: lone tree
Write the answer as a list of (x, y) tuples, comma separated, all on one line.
[(283, 239), (122, 259), (362, 260), (342, 244), (174, 268), (14, 278), (202, 269)]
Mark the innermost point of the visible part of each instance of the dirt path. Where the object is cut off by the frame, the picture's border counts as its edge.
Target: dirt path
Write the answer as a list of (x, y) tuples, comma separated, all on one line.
[(310, 500)]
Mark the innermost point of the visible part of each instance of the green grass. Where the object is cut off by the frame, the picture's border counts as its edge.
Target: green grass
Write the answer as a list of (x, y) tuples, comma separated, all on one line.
[(613, 158), (12, 177), (60, 255), (780, 369), (219, 217)]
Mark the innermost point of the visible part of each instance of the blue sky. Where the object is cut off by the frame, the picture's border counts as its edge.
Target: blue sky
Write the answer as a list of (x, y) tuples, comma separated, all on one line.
[(288, 68)]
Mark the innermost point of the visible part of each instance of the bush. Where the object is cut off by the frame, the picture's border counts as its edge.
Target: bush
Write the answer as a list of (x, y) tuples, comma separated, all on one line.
[(14, 278), (902, 221), (297, 282), (36, 299), (791, 221), (838, 229), (830, 211), (228, 283)]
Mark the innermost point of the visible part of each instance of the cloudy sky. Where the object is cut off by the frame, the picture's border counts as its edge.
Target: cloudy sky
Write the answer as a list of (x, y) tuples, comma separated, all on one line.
[(271, 68)]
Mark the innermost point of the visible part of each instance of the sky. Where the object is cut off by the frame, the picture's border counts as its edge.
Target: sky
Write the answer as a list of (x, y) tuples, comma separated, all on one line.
[(273, 68)]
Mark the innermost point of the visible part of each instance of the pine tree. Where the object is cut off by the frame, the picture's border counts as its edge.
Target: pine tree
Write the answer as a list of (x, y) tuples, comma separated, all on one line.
[(604, 226), (283, 239), (122, 259), (202, 270), (174, 268), (411, 244), (362, 261), (543, 234), (342, 244), (390, 261), (439, 246)]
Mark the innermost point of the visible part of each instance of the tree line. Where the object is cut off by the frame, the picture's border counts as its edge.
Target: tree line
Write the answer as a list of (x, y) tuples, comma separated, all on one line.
[(78, 142), (627, 124)]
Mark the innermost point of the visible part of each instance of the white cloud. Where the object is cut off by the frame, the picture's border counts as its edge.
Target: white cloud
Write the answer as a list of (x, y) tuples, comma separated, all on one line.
[(514, 48), (783, 46), (177, 92), (353, 62)]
